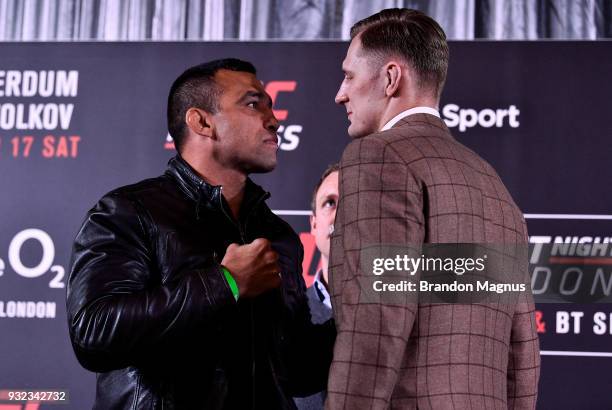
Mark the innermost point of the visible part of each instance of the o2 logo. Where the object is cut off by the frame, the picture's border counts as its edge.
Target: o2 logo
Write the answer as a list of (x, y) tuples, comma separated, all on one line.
[(43, 266)]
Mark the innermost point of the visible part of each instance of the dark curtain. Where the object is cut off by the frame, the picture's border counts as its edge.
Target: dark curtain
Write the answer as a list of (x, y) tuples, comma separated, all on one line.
[(126, 20)]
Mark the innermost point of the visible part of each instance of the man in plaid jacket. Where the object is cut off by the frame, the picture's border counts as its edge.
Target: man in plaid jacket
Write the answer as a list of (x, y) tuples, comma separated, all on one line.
[(405, 180)]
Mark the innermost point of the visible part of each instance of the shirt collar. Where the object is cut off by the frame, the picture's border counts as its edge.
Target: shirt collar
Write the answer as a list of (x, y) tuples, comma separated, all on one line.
[(321, 289), (403, 114), (207, 195)]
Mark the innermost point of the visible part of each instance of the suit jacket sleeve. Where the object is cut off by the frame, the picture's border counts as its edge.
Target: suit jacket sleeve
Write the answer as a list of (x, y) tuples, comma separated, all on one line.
[(381, 203), (119, 311), (523, 358)]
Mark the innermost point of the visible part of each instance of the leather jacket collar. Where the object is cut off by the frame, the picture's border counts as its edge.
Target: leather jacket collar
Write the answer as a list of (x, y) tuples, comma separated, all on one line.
[(208, 195)]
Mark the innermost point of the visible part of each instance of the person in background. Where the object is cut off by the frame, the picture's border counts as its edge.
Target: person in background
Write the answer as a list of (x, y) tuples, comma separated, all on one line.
[(323, 205)]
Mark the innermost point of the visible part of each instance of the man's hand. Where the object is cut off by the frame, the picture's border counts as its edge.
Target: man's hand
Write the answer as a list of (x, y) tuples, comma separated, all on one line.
[(254, 267)]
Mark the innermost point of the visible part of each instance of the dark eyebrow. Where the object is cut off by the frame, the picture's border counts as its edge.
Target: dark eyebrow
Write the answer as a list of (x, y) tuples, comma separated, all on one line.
[(329, 196), (257, 94)]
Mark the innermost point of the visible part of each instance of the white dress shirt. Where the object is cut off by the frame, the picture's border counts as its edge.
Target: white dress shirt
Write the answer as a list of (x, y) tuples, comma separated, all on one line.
[(415, 110), (321, 289)]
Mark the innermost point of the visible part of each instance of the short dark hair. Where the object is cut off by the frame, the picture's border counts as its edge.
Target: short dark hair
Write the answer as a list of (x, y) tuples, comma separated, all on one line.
[(328, 171), (412, 35), (196, 87)]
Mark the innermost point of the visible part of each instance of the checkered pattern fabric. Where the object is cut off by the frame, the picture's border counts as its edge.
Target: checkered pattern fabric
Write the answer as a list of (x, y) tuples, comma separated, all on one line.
[(415, 184)]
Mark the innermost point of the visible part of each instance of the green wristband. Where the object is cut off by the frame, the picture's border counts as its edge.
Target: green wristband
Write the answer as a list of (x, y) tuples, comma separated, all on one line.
[(231, 282)]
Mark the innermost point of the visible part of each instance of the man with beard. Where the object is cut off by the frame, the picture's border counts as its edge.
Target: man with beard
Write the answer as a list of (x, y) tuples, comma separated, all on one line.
[(186, 290)]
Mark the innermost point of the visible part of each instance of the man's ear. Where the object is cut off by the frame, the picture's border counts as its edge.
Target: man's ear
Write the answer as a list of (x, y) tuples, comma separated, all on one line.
[(199, 122), (313, 224), (393, 77)]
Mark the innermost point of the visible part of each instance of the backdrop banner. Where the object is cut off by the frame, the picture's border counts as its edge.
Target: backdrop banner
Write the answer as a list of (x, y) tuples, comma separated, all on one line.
[(79, 119)]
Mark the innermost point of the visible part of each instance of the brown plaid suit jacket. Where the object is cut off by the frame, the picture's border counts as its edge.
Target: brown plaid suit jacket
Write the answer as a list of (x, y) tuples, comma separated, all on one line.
[(415, 184)]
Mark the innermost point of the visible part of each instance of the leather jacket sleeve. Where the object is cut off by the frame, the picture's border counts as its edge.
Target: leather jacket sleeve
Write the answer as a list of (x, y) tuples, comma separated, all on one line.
[(119, 309), (311, 359), (312, 350)]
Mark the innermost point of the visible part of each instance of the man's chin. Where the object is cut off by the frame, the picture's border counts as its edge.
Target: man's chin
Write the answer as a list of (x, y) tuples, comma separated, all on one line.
[(355, 133), (262, 168)]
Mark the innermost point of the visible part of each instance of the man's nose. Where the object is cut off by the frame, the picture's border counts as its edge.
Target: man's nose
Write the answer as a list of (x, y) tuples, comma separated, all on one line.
[(341, 97), (271, 122)]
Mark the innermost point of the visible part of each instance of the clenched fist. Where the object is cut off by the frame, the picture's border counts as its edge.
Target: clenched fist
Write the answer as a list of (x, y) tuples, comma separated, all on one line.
[(254, 267)]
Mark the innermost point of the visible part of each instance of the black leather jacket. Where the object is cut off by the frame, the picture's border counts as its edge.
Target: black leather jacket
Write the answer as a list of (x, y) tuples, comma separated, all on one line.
[(151, 312)]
